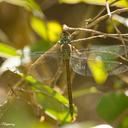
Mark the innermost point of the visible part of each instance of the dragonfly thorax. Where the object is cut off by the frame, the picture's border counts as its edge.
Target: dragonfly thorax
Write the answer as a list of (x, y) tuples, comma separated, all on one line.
[(66, 50), (65, 38), (66, 47)]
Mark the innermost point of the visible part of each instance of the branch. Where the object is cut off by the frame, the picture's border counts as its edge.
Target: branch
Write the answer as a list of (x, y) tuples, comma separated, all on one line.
[(99, 34), (115, 36), (116, 28), (118, 11), (102, 11)]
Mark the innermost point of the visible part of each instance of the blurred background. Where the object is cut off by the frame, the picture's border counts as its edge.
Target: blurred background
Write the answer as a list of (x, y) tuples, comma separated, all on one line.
[(34, 26)]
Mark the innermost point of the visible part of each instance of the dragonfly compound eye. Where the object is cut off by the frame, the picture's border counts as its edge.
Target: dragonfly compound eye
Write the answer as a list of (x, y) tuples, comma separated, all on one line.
[(65, 38)]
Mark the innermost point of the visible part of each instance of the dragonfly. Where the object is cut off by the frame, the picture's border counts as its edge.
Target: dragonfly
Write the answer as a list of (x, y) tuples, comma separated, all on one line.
[(63, 53)]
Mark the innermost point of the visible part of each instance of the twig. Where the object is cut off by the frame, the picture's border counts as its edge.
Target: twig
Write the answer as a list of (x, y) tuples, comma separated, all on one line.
[(118, 11), (88, 38), (66, 28), (116, 28), (103, 10), (94, 31), (98, 36), (108, 9)]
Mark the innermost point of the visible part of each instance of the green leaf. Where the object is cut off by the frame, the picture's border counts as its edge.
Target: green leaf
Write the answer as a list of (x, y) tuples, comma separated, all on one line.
[(40, 46), (83, 91), (70, 1), (121, 3), (124, 123), (112, 105), (30, 5), (103, 59), (39, 27), (49, 31), (54, 30), (54, 104), (7, 51), (120, 20), (97, 68)]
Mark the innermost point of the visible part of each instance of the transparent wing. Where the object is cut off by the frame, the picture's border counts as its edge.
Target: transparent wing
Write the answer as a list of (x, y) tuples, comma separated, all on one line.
[(44, 69), (111, 56)]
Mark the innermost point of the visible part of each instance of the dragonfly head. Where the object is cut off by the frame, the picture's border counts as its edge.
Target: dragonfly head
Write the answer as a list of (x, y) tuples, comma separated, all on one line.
[(65, 38)]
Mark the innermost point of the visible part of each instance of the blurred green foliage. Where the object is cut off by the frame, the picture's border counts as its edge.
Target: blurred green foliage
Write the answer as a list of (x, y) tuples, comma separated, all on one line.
[(54, 104), (48, 31), (7, 51), (118, 102), (28, 4), (122, 3)]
